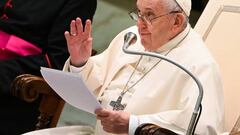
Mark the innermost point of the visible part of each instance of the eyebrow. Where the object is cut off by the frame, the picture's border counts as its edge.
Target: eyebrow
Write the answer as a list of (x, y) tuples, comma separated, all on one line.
[(147, 9)]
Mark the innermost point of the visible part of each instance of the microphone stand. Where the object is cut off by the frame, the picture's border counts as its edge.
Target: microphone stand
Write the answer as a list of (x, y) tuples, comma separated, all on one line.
[(130, 38)]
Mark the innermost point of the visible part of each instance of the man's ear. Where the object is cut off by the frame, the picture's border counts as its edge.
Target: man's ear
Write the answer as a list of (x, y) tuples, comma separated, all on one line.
[(178, 22)]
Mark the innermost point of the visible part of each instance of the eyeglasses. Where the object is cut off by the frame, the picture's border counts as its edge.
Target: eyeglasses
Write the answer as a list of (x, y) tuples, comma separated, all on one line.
[(135, 15)]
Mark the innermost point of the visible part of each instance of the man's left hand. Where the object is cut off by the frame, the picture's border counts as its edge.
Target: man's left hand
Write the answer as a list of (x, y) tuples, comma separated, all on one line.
[(116, 122)]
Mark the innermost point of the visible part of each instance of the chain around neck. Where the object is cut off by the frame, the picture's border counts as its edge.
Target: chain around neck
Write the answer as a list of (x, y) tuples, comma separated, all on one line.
[(117, 105), (126, 88)]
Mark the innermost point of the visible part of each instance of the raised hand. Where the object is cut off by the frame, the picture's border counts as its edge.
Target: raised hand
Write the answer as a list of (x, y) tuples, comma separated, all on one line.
[(116, 122), (79, 42)]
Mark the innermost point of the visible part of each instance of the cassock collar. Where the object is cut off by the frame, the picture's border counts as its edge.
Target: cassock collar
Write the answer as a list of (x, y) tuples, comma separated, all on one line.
[(175, 41)]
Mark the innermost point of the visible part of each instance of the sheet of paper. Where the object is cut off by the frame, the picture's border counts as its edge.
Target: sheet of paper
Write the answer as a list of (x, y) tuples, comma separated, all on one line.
[(71, 88)]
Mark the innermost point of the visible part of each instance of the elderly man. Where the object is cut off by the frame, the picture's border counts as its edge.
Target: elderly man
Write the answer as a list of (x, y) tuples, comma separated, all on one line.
[(147, 89), (150, 89)]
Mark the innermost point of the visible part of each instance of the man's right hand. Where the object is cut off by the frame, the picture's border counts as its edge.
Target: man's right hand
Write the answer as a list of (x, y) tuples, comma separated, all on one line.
[(79, 42)]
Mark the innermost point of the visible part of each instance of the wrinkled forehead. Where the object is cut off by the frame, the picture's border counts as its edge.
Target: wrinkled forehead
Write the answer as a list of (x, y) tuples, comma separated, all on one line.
[(155, 5)]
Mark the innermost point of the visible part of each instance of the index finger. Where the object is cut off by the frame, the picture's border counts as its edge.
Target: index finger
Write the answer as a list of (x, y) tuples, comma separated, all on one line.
[(88, 28)]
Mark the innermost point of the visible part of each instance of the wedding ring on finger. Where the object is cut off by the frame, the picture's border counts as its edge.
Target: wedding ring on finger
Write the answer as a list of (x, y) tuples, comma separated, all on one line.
[(73, 34)]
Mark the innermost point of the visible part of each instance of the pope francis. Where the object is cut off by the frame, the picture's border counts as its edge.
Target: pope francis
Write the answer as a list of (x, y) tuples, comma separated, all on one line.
[(139, 89)]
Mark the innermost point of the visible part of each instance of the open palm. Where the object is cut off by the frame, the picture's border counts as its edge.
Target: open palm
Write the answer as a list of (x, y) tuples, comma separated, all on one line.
[(79, 42)]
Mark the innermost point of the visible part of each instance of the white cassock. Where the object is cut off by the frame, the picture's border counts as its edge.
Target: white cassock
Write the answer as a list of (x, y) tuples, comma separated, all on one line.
[(165, 95)]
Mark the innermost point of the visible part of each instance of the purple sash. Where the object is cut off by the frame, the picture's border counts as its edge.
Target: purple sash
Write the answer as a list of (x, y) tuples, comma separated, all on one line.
[(12, 46)]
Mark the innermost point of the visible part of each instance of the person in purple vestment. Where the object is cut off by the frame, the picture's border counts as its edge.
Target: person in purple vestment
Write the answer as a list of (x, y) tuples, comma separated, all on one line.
[(31, 36)]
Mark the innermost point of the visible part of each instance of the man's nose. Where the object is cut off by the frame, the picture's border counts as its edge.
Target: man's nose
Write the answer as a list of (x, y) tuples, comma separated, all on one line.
[(141, 23)]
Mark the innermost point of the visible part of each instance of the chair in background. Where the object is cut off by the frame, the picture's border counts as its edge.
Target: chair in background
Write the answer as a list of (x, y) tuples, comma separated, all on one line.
[(30, 88), (220, 29), (219, 25)]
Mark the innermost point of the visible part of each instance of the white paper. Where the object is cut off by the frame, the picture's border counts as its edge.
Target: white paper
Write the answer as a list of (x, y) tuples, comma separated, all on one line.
[(71, 88)]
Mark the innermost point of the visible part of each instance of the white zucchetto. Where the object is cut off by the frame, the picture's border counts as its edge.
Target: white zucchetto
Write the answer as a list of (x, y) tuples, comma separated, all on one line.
[(185, 5)]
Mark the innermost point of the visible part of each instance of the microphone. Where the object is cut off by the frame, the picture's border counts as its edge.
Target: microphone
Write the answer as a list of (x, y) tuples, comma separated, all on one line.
[(130, 38)]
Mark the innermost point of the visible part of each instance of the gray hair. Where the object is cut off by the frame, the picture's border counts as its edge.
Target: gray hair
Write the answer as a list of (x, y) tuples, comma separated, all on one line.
[(172, 5)]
